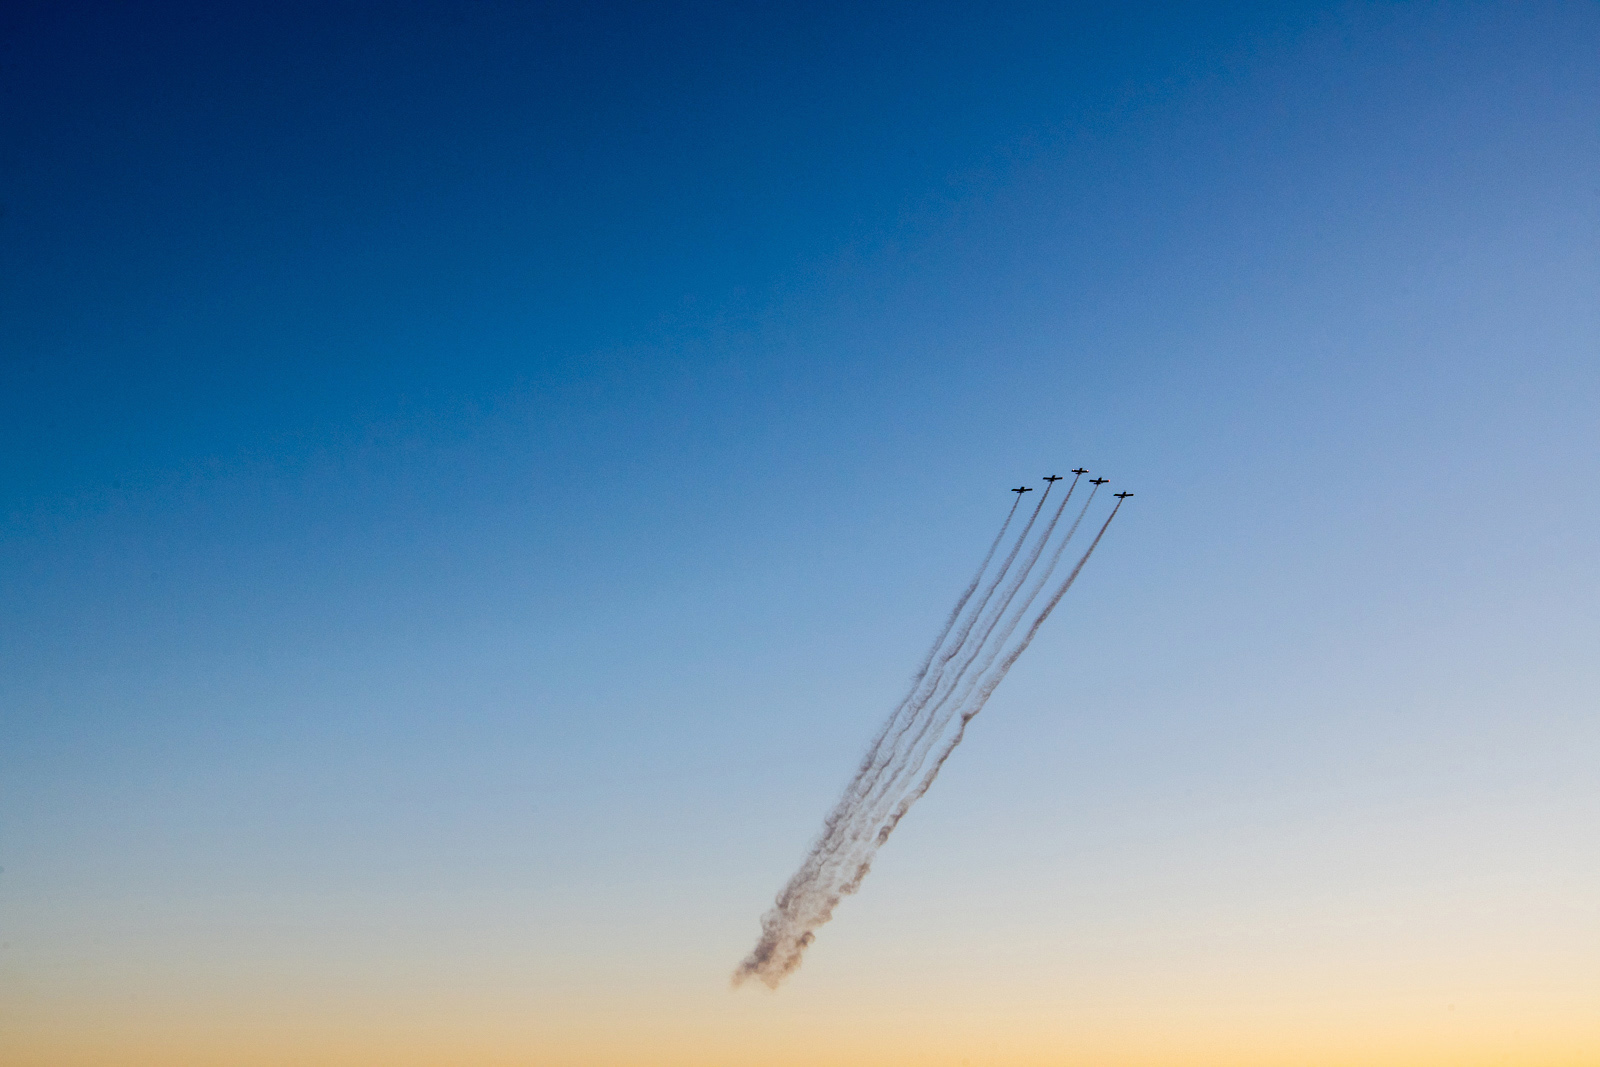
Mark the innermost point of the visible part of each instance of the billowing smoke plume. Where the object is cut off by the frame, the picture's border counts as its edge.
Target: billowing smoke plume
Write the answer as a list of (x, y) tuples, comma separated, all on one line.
[(968, 660)]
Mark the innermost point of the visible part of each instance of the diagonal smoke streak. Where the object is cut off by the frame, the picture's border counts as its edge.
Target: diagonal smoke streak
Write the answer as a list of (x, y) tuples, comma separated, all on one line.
[(866, 834), (842, 856), (865, 782), (846, 836), (939, 719), (862, 860), (949, 624), (933, 722), (796, 905), (976, 705), (966, 594)]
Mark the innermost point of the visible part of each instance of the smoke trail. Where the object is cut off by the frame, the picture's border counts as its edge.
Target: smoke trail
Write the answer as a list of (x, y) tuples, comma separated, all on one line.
[(933, 727), (867, 824), (864, 782), (797, 907), (849, 844), (866, 798), (966, 594), (923, 687), (949, 624), (971, 712), (922, 737), (842, 856)]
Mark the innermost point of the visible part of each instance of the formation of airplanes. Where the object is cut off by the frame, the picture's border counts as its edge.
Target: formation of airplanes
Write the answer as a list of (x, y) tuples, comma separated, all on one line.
[(1053, 478)]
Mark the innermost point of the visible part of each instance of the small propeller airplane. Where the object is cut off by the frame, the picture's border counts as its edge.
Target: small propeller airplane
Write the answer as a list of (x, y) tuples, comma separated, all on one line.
[(1098, 481), (1052, 478), (1080, 470), (1123, 496), (1022, 489)]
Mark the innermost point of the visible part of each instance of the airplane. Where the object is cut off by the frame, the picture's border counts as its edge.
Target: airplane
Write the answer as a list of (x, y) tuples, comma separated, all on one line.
[(1022, 490), (1052, 478), (1080, 470), (1121, 496), (1098, 481)]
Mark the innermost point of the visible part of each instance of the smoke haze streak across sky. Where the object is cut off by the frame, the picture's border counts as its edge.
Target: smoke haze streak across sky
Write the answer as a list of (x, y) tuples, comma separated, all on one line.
[(881, 793)]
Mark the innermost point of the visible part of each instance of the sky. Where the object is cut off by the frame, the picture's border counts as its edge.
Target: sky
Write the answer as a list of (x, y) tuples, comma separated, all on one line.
[(474, 475)]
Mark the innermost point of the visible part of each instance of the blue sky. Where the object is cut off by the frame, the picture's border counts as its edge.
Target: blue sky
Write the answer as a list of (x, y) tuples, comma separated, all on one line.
[(514, 455)]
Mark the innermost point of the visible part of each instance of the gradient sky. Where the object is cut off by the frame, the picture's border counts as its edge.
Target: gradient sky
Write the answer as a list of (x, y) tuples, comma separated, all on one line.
[(475, 474)]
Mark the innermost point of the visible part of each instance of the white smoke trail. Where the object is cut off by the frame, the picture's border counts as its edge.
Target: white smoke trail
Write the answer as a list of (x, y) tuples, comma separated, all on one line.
[(939, 718), (866, 803), (972, 710), (930, 686), (861, 821), (804, 903), (955, 614), (932, 722)]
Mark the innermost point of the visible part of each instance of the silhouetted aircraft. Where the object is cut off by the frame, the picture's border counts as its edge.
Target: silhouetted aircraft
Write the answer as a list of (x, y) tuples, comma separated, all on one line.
[(1122, 495), (1022, 490), (1080, 470), (1098, 481), (1052, 478)]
